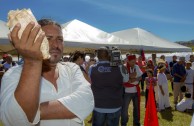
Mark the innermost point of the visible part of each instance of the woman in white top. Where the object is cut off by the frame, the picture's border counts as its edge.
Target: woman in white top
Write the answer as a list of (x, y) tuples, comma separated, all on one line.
[(163, 89)]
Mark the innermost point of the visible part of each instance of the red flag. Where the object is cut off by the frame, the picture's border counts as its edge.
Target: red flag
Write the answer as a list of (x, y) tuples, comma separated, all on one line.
[(143, 55), (151, 118)]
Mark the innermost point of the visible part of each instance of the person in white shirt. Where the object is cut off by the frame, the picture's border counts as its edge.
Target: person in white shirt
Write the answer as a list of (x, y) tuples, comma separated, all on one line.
[(189, 78), (163, 94), (9, 63), (40, 93), (132, 92), (185, 104)]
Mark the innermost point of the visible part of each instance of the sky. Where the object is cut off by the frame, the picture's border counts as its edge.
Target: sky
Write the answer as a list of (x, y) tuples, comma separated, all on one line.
[(169, 19)]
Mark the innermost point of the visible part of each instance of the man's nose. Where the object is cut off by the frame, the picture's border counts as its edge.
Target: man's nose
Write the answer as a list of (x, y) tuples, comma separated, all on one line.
[(54, 42)]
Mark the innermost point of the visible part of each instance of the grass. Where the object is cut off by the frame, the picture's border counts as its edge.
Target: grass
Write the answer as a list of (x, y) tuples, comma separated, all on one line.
[(166, 118)]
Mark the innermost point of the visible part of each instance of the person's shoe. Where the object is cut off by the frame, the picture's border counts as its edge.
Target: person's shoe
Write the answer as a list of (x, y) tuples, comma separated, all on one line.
[(169, 108), (90, 121), (136, 124), (170, 94), (161, 110)]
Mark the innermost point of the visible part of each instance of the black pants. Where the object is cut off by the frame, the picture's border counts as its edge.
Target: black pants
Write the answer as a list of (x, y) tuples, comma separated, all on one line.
[(144, 75), (172, 85)]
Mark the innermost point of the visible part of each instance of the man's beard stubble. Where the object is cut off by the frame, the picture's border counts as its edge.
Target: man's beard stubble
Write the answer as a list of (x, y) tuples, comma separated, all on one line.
[(49, 63)]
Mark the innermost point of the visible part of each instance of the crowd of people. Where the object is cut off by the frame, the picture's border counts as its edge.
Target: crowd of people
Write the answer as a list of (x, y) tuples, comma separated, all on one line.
[(136, 78), (65, 90), (7, 62)]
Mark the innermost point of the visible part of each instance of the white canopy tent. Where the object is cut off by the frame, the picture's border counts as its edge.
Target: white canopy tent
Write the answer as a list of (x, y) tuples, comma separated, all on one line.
[(5, 45), (81, 36), (77, 36), (149, 42)]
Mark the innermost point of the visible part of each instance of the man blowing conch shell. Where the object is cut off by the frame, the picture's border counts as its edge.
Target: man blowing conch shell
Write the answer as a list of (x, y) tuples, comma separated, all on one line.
[(35, 94)]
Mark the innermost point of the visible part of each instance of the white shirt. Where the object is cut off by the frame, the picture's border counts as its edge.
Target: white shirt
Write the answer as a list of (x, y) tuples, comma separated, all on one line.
[(74, 93), (139, 74), (162, 79), (190, 76), (184, 104), (192, 67), (7, 65)]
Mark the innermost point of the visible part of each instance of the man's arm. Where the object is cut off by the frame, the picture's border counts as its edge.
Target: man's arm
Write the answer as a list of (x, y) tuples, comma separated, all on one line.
[(136, 76), (28, 89), (79, 103), (175, 72), (54, 110), (124, 73), (177, 75)]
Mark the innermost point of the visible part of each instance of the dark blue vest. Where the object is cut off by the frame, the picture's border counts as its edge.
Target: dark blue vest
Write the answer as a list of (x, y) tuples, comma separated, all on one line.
[(107, 85)]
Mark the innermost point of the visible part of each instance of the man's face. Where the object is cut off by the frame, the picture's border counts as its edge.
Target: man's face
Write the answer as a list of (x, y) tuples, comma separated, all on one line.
[(181, 62), (153, 56), (174, 58), (140, 58), (81, 60), (9, 59), (188, 65), (192, 58), (163, 57), (132, 62), (56, 45)]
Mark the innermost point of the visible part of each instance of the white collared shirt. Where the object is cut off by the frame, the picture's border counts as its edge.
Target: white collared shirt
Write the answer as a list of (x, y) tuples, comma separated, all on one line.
[(139, 74), (189, 76), (74, 93), (184, 104)]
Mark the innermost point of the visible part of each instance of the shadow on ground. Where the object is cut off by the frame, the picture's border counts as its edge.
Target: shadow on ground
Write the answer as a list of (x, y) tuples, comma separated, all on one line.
[(167, 115)]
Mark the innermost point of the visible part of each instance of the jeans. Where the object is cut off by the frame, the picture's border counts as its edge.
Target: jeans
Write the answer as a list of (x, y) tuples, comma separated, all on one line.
[(106, 119), (124, 112)]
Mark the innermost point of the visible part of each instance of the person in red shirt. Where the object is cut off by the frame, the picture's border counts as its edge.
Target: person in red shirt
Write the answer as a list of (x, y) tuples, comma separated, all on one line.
[(142, 66)]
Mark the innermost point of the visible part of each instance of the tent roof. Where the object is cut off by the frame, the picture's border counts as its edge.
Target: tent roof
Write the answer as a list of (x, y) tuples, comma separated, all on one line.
[(78, 34), (5, 45), (78, 31), (81, 36), (149, 41), (4, 30)]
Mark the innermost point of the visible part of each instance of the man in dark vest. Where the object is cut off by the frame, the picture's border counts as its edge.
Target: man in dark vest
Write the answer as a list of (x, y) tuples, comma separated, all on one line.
[(107, 89)]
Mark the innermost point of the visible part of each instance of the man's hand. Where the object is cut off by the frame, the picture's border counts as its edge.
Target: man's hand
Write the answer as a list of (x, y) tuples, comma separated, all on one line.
[(28, 46), (183, 79), (133, 75)]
